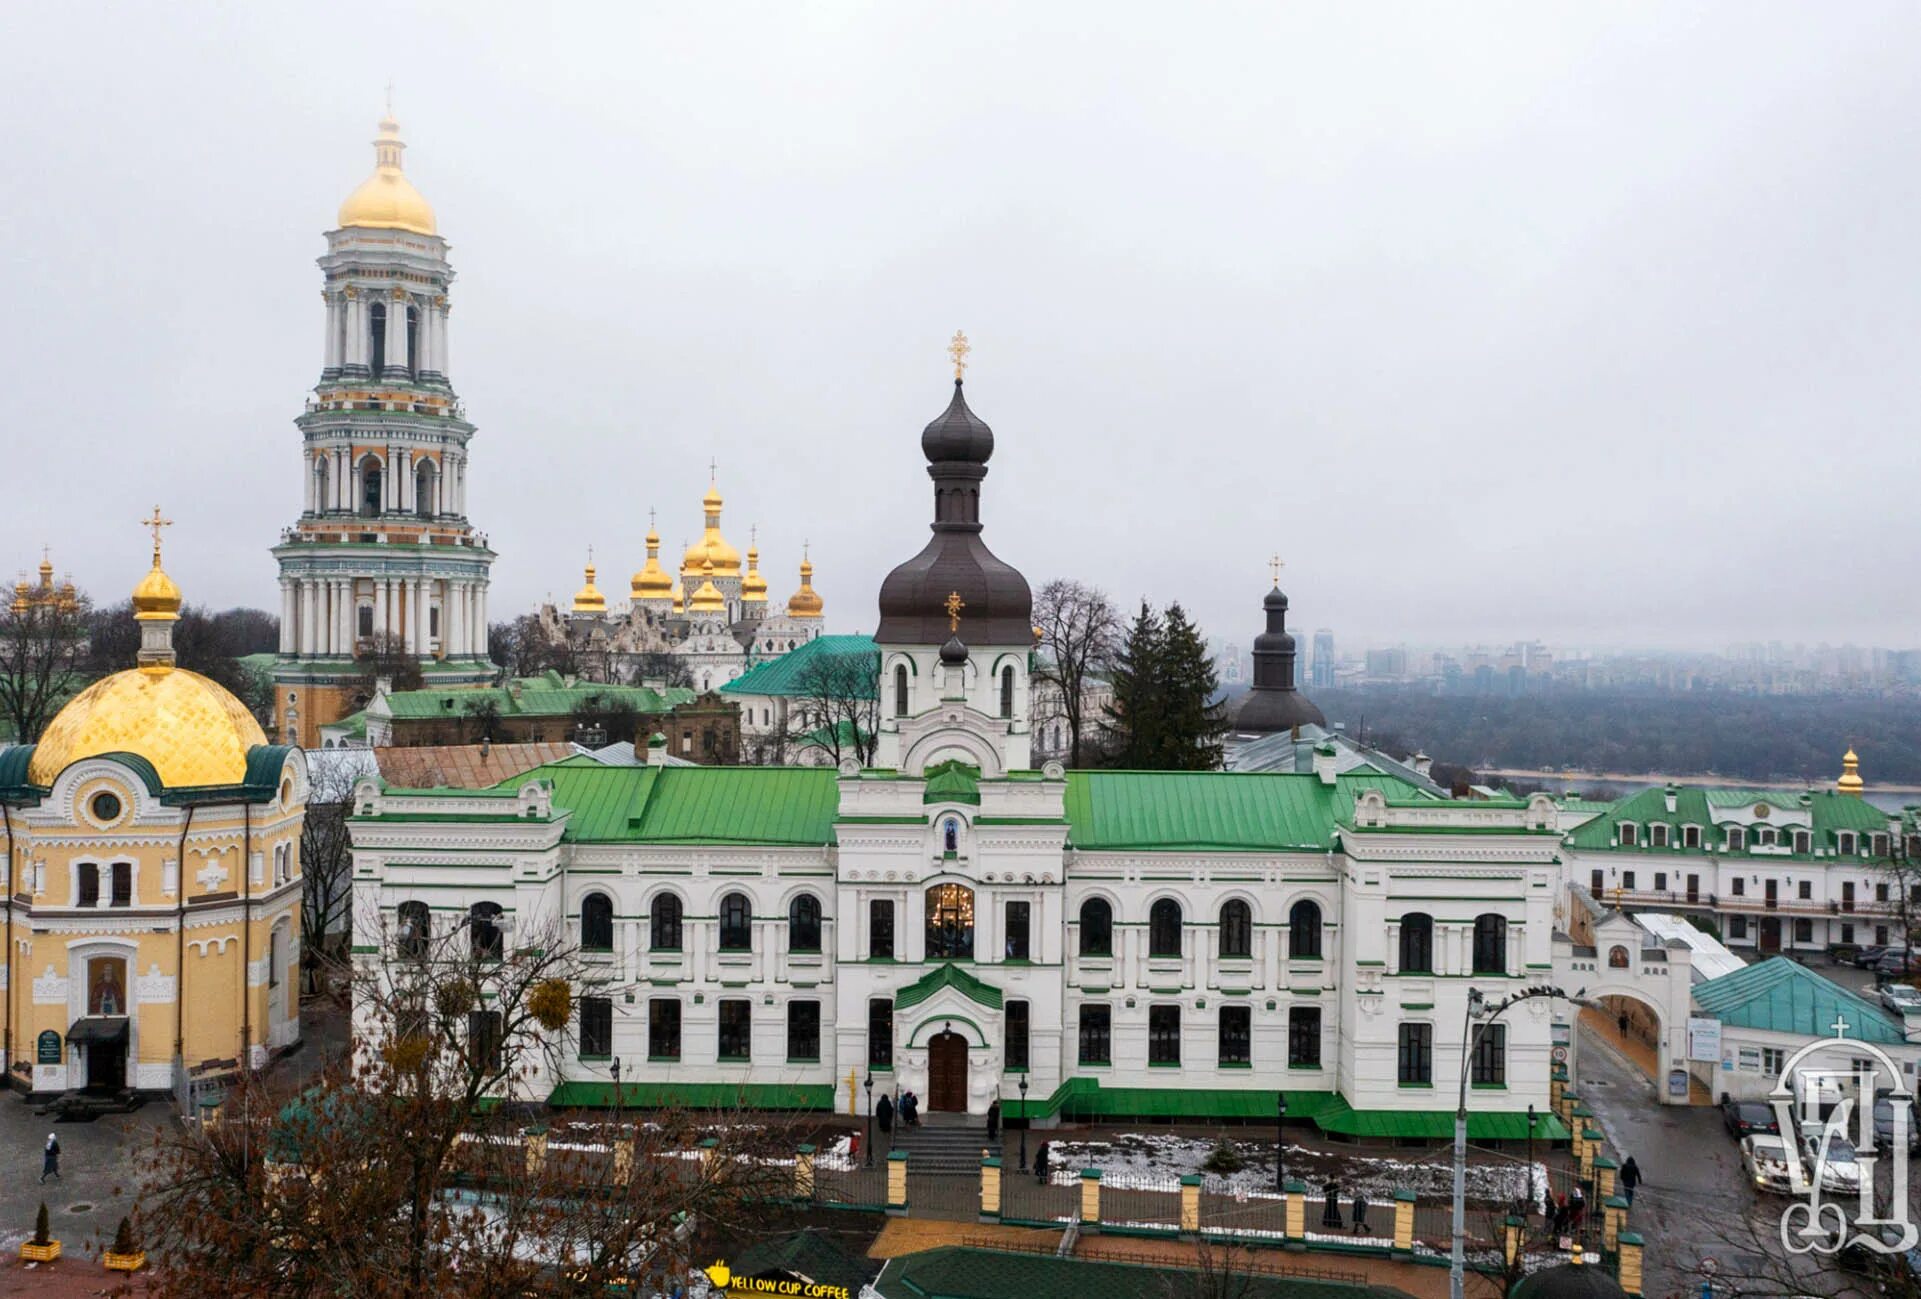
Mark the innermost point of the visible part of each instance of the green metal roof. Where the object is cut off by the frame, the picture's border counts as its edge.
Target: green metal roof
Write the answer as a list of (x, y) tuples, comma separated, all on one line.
[(1783, 996), (777, 806), (789, 674), (547, 695), (1086, 1099), (948, 976), (952, 781), (1829, 812), (696, 1096), (1214, 810)]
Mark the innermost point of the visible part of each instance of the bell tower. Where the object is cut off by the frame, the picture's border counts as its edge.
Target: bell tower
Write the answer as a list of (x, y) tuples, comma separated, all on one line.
[(383, 559)]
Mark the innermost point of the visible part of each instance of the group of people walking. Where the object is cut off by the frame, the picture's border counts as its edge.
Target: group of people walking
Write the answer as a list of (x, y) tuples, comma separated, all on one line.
[(1331, 1209)]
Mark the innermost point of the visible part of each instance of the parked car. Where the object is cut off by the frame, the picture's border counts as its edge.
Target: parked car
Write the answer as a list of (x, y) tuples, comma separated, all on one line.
[(1894, 963), (1863, 957), (1765, 1159), (1884, 1124), (1745, 1117), (1900, 998), (1836, 1169), (1889, 1264)]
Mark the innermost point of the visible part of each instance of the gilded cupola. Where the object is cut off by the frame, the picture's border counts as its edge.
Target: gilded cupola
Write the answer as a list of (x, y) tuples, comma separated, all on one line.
[(806, 602), (652, 582), (707, 597), (753, 586), (1850, 781), (588, 598), (387, 200), (711, 546)]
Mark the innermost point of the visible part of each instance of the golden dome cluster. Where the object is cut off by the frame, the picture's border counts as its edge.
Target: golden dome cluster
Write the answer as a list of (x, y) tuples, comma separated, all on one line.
[(387, 200), (61, 598), (706, 569), (192, 730)]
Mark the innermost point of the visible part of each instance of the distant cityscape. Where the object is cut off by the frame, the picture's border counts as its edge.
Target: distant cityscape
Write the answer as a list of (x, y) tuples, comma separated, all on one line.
[(1533, 667)]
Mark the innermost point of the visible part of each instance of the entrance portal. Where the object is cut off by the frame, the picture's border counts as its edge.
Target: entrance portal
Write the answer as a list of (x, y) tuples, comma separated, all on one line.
[(947, 1072), (107, 1064), (1771, 932)]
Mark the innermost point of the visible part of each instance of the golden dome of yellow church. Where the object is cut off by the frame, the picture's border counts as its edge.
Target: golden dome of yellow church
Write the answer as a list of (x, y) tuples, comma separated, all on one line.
[(152, 880)]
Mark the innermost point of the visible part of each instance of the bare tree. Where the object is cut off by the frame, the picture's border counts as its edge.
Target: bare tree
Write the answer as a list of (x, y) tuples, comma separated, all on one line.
[(326, 865), (41, 644), (836, 708), (1079, 631), (661, 670), (480, 719), (387, 658)]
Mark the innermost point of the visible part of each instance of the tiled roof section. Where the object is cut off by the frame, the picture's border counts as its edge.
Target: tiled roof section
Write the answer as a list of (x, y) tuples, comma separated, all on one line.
[(968, 1272), (952, 782), (1190, 810), (789, 674), (548, 695), (948, 976), (465, 766), (1708, 808), (1782, 996)]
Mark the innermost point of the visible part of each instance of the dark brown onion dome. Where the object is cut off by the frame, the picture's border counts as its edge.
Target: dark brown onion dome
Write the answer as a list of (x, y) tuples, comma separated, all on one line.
[(953, 653), (996, 608), (1570, 1281), (1273, 704)]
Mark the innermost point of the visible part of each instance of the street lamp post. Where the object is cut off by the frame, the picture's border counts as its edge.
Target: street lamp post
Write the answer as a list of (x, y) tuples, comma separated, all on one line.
[(1471, 1031), (870, 1120), (1280, 1142), (616, 1072), (1528, 1206), (1023, 1123)]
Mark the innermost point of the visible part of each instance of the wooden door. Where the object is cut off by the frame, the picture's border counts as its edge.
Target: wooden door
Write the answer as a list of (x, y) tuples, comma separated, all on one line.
[(1771, 934), (947, 1072)]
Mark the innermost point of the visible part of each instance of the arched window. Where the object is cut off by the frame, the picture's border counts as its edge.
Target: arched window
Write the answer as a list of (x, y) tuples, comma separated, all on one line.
[(366, 621), (1490, 944), (1304, 931), (900, 690), (803, 924), (663, 930), (377, 322), (950, 835), (1237, 928), (322, 501), (426, 490), (597, 923), (371, 483), (1417, 943), (1007, 692), (736, 923), (1097, 928), (483, 924), (416, 930), (1164, 928), (413, 340)]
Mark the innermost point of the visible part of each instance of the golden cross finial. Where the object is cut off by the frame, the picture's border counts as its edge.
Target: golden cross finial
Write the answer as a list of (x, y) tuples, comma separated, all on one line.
[(713, 472), (1274, 566), (958, 349), (953, 606), (753, 536), (590, 553), (155, 524), (390, 98), (650, 520)]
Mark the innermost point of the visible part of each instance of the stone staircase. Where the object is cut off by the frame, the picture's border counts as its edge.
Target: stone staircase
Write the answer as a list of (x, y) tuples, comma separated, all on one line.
[(943, 1148)]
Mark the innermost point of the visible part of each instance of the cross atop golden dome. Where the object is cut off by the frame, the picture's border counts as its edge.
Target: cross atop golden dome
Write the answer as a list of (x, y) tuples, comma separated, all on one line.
[(711, 546), (387, 200), (156, 598)]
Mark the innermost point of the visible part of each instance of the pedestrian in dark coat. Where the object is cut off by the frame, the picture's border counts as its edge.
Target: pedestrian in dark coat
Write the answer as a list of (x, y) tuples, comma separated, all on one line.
[(1576, 1207), (1557, 1212), (1040, 1163), (1331, 1209), (1630, 1178), (884, 1114), (994, 1121), (1360, 1213), (50, 1159)]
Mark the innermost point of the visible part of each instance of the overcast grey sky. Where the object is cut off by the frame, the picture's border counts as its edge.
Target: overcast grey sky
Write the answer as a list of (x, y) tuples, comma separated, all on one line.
[(1589, 322)]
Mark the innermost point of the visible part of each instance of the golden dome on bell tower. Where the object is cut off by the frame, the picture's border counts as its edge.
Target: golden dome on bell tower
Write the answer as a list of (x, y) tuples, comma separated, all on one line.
[(387, 200), (752, 585), (806, 602), (588, 598), (711, 546), (652, 582), (1850, 781)]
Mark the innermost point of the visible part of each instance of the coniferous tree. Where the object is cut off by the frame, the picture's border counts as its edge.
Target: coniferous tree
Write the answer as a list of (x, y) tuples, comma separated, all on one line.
[(1134, 719), (1192, 720)]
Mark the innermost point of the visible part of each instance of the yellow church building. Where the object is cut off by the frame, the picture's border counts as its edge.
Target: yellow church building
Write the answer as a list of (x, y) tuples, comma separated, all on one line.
[(152, 880)]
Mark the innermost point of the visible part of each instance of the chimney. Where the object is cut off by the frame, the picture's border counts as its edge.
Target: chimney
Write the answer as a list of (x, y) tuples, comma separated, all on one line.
[(383, 686), (1324, 760), (1669, 794), (656, 750), (1423, 765)]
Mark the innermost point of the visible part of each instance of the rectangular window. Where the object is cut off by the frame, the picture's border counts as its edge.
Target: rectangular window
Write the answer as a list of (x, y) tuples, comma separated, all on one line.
[(1627, 880), (1490, 1057), (1629, 834), (1847, 932), (1015, 1022), (1773, 1059), (1658, 836), (1880, 845), (1847, 895), (1803, 841), (1806, 890), (1737, 926), (880, 930), (1880, 893), (1804, 931), (1416, 1056), (1764, 837), (596, 1028), (123, 883), (484, 1032), (1096, 1034), (803, 1031), (1594, 885), (663, 1029), (1737, 839), (1694, 888), (1163, 1035), (89, 885), (880, 1033), (1237, 1035), (1017, 913), (1304, 1037), (736, 1029), (1691, 836), (1738, 887), (1660, 881), (1845, 845)]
